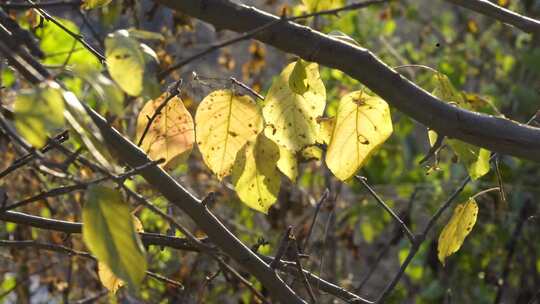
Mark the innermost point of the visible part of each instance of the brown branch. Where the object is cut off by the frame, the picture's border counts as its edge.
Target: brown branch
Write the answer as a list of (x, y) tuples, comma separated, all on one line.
[(494, 133), (501, 14), (148, 239), (253, 32), (56, 3)]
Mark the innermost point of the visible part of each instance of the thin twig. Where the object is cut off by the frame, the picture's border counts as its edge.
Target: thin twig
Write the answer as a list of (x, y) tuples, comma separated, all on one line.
[(282, 249), (246, 87), (420, 238), (323, 198), (301, 271), (403, 226), (77, 187), (75, 36)]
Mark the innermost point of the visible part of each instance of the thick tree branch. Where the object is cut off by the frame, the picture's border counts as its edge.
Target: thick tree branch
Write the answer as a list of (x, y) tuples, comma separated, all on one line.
[(494, 133), (494, 11)]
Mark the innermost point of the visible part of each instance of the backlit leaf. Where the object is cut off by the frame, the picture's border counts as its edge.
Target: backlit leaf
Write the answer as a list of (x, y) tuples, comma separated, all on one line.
[(171, 134), (38, 112), (109, 233), (255, 175), (475, 159), (90, 4), (455, 231), (287, 163), (362, 124), (319, 5), (106, 277), (298, 78), (125, 61), (224, 123), (292, 118)]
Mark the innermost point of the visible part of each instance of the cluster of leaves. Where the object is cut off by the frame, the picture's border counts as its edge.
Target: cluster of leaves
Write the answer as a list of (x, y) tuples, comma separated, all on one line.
[(256, 142)]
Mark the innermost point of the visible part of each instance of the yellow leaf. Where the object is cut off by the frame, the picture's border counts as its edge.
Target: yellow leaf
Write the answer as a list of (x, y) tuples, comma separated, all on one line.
[(327, 128), (171, 134), (38, 112), (287, 163), (125, 61), (255, 175), (311, 153), (362, 124), (459, 226), (108, 279), (292, 118), (224, 123)]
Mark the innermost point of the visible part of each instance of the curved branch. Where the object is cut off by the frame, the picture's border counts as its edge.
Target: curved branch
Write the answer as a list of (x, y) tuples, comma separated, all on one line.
[(494, 11), (494, 133)]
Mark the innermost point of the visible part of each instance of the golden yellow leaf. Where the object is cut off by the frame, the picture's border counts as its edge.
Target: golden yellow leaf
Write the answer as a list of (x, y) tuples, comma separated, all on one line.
[(255, 175), (311, 153), (224, 123), (327, 128), (362, 124), (459, 226), (287, 163), (171, 134), (108, 279), (291, 118)]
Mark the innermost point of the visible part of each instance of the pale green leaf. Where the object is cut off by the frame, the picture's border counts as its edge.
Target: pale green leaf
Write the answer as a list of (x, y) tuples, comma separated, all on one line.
[(474, 158), (292, 118), (319, 5), (38, 112), (362, 124), (171, 134), (298, 79), (455, 231), (224, 123), (125, 61), (61, 48), (255, 175), (109, 233)]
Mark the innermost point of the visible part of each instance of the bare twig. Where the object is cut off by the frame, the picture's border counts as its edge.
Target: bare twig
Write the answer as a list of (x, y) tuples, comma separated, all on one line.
[(403, 226), (301, 271), (282, 248), (323, 198)]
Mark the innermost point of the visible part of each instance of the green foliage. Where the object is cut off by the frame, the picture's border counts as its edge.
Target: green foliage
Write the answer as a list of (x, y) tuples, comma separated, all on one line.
[(38, 112)]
